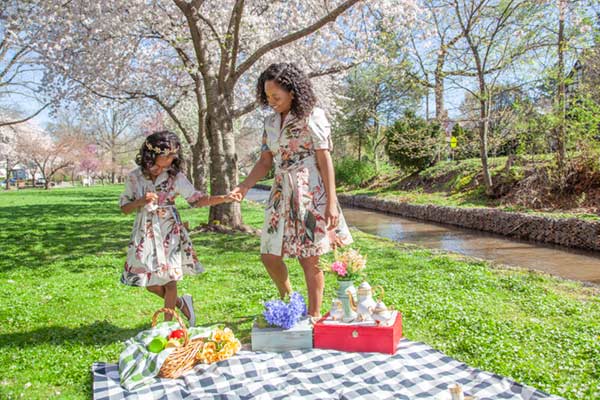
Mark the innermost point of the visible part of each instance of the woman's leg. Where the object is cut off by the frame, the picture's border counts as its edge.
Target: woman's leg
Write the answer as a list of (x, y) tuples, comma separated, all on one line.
[(278, 272), (315, 283), (160, 291)]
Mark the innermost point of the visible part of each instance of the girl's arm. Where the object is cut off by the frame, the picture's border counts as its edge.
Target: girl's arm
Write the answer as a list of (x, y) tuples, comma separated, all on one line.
[(260, 170), (205, 201), (196, 198), (141, 202), (325, 166)]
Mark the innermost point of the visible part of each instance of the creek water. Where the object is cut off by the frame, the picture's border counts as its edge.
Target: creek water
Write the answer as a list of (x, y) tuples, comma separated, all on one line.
[(556, 260)]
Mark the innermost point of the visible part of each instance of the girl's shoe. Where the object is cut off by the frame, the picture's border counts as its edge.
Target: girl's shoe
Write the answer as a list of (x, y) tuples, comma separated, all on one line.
[(189, 303)]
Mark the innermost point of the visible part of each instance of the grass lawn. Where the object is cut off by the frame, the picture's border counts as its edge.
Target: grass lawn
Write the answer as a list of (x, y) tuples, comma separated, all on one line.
[(62, 307)]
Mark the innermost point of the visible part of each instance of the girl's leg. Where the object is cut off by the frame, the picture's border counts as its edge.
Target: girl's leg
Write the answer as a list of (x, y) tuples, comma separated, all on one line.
[(278, 272), (315, 282), (170, 297), (160, 291), (157, 290)]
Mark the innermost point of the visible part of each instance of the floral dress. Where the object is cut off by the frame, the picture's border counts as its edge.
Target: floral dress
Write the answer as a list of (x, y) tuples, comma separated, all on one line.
[(295, 223), (160, 249)]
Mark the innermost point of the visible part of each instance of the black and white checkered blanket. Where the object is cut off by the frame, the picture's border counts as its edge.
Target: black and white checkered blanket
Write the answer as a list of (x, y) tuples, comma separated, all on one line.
[(415, 371)]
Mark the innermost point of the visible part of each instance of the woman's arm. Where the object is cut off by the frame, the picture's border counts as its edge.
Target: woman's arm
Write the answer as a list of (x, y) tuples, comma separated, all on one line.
[(325, 166), (259, 171)]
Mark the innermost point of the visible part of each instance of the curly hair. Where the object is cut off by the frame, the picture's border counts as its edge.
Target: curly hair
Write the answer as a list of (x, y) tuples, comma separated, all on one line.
[(292, 79), (161, 141)]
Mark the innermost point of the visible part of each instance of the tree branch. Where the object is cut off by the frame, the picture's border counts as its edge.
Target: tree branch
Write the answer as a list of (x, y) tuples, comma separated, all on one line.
[(245, 110), (332, 70), (20, 121), (292, 37), (234, 34)]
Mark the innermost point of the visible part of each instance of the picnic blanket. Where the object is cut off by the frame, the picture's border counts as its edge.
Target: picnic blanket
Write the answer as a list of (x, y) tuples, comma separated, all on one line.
[(415, 371)]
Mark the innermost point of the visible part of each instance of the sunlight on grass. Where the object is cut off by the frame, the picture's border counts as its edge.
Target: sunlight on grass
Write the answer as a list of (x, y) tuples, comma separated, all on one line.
[(63, 308)]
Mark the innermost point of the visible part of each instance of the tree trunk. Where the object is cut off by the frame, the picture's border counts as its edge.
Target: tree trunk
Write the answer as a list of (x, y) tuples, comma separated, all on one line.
[(199, 163), (376, 145), (359, 145), (427, 104), (113, 162), (7, 173), (223, 160), (439, 90), (561, 93), (483, 142)]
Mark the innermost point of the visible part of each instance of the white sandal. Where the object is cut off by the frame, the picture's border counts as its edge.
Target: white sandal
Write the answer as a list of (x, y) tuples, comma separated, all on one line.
[(189, 303)]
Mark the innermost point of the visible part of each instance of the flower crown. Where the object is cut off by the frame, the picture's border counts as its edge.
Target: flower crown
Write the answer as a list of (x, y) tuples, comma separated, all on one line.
[(164, 152)]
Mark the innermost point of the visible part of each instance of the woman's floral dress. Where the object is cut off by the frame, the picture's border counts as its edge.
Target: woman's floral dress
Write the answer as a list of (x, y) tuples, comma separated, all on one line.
[(295, 214), (160, 249)]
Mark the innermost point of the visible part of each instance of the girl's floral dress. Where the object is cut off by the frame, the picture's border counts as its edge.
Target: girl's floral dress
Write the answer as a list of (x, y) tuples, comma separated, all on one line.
[(160, 249), (295, 214)]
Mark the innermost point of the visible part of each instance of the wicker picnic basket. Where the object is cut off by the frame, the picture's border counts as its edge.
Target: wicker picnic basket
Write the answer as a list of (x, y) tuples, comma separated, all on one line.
[(183, 358)]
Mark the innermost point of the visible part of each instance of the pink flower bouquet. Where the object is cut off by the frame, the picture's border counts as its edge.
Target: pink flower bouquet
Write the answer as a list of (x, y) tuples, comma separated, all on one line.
[(348, 265)]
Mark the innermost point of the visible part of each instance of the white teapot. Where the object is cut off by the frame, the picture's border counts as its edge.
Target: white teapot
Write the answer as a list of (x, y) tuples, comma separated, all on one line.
[(381, 314), (366, 304), (337, 310)]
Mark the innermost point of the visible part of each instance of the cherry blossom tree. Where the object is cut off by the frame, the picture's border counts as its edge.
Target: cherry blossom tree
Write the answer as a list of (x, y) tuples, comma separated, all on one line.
[(428, 46), (8, 154), (19, 65), (114, 127), (51, 154), (207, 50)]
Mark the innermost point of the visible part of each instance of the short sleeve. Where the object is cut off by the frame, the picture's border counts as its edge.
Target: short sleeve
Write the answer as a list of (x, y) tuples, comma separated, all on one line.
[(320, 130), (185, 188), (128, 194)]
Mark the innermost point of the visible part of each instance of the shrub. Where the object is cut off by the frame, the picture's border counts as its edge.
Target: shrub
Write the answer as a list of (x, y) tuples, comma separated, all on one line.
[(351, 172), (414, 143)]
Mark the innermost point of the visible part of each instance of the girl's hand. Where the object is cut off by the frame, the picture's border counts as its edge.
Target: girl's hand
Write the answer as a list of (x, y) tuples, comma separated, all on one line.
[(239, 192), (150, 197), (332, 216), (233, 196)]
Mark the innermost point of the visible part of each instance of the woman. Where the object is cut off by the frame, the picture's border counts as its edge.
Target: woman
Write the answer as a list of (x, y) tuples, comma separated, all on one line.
[(302, 216)]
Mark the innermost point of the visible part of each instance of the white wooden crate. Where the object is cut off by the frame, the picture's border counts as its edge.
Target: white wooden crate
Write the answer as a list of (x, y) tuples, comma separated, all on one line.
[(298, 337)]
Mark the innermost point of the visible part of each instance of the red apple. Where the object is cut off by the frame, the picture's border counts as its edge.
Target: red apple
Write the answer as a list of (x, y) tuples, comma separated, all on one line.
[(176, 334)]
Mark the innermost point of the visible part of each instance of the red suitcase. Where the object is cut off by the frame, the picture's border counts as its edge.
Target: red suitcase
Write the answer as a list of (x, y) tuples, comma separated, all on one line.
[(358, 338)]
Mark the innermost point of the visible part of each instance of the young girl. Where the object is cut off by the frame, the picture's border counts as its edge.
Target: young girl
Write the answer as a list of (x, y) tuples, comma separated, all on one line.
[(160, 250), (302, 216)]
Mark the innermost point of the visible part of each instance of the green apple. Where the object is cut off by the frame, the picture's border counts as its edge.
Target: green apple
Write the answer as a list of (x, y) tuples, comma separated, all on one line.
[(157, 344)]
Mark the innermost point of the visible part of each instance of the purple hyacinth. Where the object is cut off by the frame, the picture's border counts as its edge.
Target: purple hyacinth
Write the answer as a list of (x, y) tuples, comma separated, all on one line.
[(285, 315)]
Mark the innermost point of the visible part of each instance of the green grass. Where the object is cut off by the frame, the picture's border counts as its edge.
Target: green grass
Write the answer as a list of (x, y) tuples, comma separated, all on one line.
[(62, 307)]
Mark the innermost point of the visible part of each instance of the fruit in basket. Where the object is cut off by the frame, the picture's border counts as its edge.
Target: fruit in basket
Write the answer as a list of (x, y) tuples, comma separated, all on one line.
[(173, 343), (176, 334), (157, 344)]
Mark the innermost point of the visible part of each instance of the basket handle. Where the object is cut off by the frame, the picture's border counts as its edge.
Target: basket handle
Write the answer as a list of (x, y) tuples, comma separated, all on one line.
[(186, 337)]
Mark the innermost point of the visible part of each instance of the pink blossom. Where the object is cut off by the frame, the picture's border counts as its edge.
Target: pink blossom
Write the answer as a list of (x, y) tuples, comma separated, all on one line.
[(339, 268)]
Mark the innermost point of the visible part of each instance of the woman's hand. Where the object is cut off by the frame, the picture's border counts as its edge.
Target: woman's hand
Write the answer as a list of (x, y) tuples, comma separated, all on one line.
[(233, 196), (332, 216), (239, 192)]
